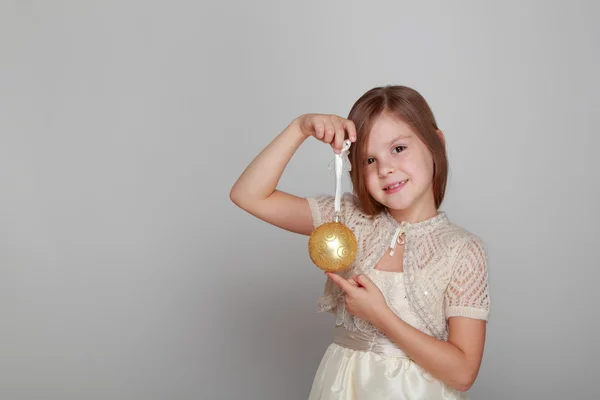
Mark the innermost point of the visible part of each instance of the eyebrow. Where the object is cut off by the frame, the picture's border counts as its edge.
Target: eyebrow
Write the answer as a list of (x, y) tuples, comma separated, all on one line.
[(401, 137)]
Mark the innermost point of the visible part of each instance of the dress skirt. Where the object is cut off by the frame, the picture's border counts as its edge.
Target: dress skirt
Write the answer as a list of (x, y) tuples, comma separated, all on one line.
[(359, 366)]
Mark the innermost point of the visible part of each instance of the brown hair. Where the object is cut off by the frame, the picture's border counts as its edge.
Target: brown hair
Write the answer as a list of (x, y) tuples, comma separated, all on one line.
[(408, 105)]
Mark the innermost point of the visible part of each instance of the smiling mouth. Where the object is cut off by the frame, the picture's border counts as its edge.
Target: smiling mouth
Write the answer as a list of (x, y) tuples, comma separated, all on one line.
[(395, 185)]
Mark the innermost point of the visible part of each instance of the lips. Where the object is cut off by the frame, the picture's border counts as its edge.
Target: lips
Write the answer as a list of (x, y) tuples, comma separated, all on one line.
[(395, 185)]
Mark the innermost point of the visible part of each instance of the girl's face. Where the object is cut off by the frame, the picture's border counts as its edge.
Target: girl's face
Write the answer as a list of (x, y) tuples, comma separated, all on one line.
[(399, 170)]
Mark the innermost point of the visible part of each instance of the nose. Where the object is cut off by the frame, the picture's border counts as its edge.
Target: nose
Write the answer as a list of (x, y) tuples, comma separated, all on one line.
[(385, 169)]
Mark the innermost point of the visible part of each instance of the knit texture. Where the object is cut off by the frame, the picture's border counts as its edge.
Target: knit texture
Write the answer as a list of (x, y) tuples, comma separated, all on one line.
[(445, 266)]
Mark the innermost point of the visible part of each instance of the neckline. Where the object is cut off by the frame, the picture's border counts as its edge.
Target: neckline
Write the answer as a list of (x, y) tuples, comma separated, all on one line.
[(389, 272), (424, 226)]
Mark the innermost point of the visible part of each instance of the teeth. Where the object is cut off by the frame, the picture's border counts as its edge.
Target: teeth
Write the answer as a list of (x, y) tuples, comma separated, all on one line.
[(395, 185)]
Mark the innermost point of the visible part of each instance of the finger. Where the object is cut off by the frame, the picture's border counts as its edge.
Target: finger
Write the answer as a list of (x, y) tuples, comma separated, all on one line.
[(329, 131), (364, 281), (351, 129), (341, 282), (319, 128), (340, 134), (350, 281)]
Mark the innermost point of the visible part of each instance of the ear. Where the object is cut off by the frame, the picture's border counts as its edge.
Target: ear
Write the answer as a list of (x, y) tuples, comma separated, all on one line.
[(441, 135)]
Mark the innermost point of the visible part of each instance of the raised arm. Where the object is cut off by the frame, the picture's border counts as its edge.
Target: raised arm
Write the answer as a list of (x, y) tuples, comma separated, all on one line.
[(256, 192)]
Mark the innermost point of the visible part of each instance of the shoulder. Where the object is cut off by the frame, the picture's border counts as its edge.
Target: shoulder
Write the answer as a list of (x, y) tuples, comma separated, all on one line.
[(462, 243), (470, 248), (323, 207), (349, 202), (461, 236), (352, 211)]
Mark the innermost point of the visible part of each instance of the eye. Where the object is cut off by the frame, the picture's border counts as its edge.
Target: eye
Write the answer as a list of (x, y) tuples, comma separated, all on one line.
[(399, 149), (369, 160)]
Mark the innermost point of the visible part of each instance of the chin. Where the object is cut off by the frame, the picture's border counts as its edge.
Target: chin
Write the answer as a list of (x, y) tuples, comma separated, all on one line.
[(396, 204), (399, 206)]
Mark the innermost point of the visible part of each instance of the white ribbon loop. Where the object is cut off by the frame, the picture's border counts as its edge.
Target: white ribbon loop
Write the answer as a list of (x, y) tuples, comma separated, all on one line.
[(339, 161)]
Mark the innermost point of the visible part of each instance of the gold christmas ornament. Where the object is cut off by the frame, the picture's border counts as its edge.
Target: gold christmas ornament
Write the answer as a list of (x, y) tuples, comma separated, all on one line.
[(332, 246)]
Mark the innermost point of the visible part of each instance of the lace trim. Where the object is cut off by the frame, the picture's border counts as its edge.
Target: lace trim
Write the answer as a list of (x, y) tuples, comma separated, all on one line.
[(421, 227)]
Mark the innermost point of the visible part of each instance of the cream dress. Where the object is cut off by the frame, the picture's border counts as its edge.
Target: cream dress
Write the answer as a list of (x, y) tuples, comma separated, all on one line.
[(444, 275), (367, 365)]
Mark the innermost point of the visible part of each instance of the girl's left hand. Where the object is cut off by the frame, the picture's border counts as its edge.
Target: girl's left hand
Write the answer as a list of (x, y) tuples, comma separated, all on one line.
[(363, 297)]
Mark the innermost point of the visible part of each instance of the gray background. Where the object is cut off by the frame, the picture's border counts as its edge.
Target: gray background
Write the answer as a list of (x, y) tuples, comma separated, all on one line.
[(127, 273)]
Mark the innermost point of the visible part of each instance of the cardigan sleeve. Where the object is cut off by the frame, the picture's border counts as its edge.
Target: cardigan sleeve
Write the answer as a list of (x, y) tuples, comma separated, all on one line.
[(322, 208), (467, 294)]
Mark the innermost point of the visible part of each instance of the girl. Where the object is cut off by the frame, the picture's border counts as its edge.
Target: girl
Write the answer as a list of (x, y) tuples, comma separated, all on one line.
[(411, 310)]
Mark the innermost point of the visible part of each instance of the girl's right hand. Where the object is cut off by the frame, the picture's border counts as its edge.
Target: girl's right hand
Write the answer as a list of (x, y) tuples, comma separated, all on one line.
[(330, 129)]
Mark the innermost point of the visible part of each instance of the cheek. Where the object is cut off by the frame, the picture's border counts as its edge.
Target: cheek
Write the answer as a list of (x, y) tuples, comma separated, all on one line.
[(420, 166), (428, 165), (371, 179)]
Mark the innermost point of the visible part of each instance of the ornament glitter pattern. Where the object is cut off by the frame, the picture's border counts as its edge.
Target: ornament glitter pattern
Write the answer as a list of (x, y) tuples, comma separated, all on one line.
[(332, 246)]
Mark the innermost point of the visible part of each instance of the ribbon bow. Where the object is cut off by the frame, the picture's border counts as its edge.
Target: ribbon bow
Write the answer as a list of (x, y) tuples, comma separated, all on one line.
[(344, 156)]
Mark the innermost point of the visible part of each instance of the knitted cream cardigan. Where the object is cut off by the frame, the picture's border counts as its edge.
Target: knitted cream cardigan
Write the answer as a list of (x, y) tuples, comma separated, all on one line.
[(445, 266)]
